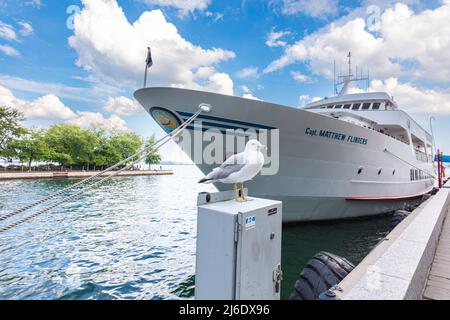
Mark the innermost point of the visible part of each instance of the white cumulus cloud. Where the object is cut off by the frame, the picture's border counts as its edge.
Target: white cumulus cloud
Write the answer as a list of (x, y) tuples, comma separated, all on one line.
[(7, 31), (87, 120), (247, 93), (412, 98), (9, 51), (47, 107), (300, 77), (403, 45), (123, 106), (114, 49), (304, 99), (34, 3), (313, 8), (26, 28), (50, 107), (184, 6), (250, 72), (274, 38)]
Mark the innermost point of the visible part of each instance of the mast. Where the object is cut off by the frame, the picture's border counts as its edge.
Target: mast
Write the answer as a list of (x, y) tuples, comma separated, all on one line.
[(346, 80)]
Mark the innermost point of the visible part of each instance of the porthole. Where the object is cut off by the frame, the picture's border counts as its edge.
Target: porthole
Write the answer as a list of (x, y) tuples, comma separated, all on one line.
[(360, 170), (379, 171)]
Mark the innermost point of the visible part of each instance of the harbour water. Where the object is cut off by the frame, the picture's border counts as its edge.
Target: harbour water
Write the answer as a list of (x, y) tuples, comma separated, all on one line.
[(134, 238)]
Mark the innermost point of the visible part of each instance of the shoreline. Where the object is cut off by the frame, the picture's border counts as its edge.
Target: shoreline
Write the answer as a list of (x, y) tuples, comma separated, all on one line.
[(75, 174)]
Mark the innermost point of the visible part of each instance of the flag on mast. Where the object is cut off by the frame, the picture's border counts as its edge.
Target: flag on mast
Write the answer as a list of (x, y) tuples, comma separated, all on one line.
[(149, 59), (148, 64)]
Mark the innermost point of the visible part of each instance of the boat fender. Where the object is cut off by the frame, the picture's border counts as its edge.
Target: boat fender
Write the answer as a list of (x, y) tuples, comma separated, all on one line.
[(322, 272)]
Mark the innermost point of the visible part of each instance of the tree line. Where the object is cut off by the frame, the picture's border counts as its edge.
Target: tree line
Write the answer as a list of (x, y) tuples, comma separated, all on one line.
[(67, 145)]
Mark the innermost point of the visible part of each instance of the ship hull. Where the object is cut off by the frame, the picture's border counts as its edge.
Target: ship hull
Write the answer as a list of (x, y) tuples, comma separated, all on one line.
[(328, 169)]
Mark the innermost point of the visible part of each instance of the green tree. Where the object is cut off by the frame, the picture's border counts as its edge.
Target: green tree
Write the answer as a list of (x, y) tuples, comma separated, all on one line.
[(153, 157), (105, 155), (31, 147), (70, 145), (125, 145), (10, 129)]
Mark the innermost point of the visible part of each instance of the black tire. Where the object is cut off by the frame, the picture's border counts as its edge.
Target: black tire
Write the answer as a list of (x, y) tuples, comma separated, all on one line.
[(425, 197), (397, 217), (322, 271)]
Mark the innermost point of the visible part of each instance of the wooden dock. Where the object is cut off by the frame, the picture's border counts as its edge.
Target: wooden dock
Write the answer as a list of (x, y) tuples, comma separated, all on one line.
[(438, 283), (76, 174)]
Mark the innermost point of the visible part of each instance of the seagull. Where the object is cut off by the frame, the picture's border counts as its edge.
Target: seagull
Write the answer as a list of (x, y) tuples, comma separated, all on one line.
[(239, 168)]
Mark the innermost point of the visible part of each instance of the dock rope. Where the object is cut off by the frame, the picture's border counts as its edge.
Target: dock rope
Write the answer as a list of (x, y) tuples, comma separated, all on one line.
[(142, 154), (399, 158)]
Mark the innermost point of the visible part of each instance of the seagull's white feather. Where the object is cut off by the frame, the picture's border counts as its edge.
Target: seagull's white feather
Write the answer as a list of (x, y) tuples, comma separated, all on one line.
[(240, 167)]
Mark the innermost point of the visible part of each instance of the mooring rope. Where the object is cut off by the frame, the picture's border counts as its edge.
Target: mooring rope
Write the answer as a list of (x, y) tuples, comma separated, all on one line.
[(142, 153), (430, 174)]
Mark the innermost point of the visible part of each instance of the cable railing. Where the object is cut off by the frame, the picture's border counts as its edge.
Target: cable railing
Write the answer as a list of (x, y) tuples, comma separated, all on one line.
[(95, 180)]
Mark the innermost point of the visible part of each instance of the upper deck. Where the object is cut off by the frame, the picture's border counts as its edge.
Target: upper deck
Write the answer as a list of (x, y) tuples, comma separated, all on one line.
[(377, 111), (357, 101)]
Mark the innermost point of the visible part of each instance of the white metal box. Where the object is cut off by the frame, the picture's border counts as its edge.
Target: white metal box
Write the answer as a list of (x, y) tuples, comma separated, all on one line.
[(238, 248)]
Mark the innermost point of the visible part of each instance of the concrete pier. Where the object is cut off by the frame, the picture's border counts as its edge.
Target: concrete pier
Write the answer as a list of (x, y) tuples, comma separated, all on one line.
[(76, 174), (413, 262)]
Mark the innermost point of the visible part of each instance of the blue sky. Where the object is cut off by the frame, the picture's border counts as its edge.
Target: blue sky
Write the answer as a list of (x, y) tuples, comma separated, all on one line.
[(80, 61)]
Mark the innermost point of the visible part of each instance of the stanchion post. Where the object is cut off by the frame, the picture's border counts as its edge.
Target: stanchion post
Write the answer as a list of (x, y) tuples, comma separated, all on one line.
[(439, 168)]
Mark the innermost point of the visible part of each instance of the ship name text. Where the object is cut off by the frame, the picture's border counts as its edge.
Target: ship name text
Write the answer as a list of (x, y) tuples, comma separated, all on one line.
[(335, 136)]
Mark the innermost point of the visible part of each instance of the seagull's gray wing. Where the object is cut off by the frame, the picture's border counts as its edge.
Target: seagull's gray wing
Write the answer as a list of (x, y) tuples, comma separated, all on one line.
[(233, 164), (234, 159)]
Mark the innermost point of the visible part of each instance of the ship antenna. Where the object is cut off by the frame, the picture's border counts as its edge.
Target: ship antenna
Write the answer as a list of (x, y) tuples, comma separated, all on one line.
[(349, 64), (334, 78), (345, 80)]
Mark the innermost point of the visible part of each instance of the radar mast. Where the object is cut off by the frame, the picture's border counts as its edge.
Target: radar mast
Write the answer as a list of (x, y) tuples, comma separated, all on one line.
[(345, 80)]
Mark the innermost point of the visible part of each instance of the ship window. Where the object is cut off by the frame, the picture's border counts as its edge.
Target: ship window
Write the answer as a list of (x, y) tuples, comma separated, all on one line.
[(393, 172), (379, 171), (376, 106), (339, 106), (366, 106), (347, 106), (356, 106), (330, 107), (411, 175), (360, 170)]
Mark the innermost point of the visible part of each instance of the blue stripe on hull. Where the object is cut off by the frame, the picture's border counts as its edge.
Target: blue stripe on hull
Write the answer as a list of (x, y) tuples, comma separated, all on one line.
[(221, 131), (242, 123), (211, 125)]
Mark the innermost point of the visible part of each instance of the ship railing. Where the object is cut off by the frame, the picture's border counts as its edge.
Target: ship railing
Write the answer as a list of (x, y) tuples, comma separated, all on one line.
[(422, 156)]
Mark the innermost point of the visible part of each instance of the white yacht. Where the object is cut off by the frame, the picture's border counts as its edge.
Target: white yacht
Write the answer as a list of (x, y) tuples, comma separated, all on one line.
[(346, 156)]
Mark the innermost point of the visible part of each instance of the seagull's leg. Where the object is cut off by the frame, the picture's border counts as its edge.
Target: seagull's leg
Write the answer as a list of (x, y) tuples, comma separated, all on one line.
[(242, 192), (235, 192)]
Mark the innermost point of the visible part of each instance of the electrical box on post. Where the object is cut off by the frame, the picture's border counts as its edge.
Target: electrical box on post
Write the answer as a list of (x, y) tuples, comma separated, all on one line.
[(238, 248)]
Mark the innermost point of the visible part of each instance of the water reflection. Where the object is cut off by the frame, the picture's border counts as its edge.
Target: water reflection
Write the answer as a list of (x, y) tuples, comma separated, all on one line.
[(134, 238)]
